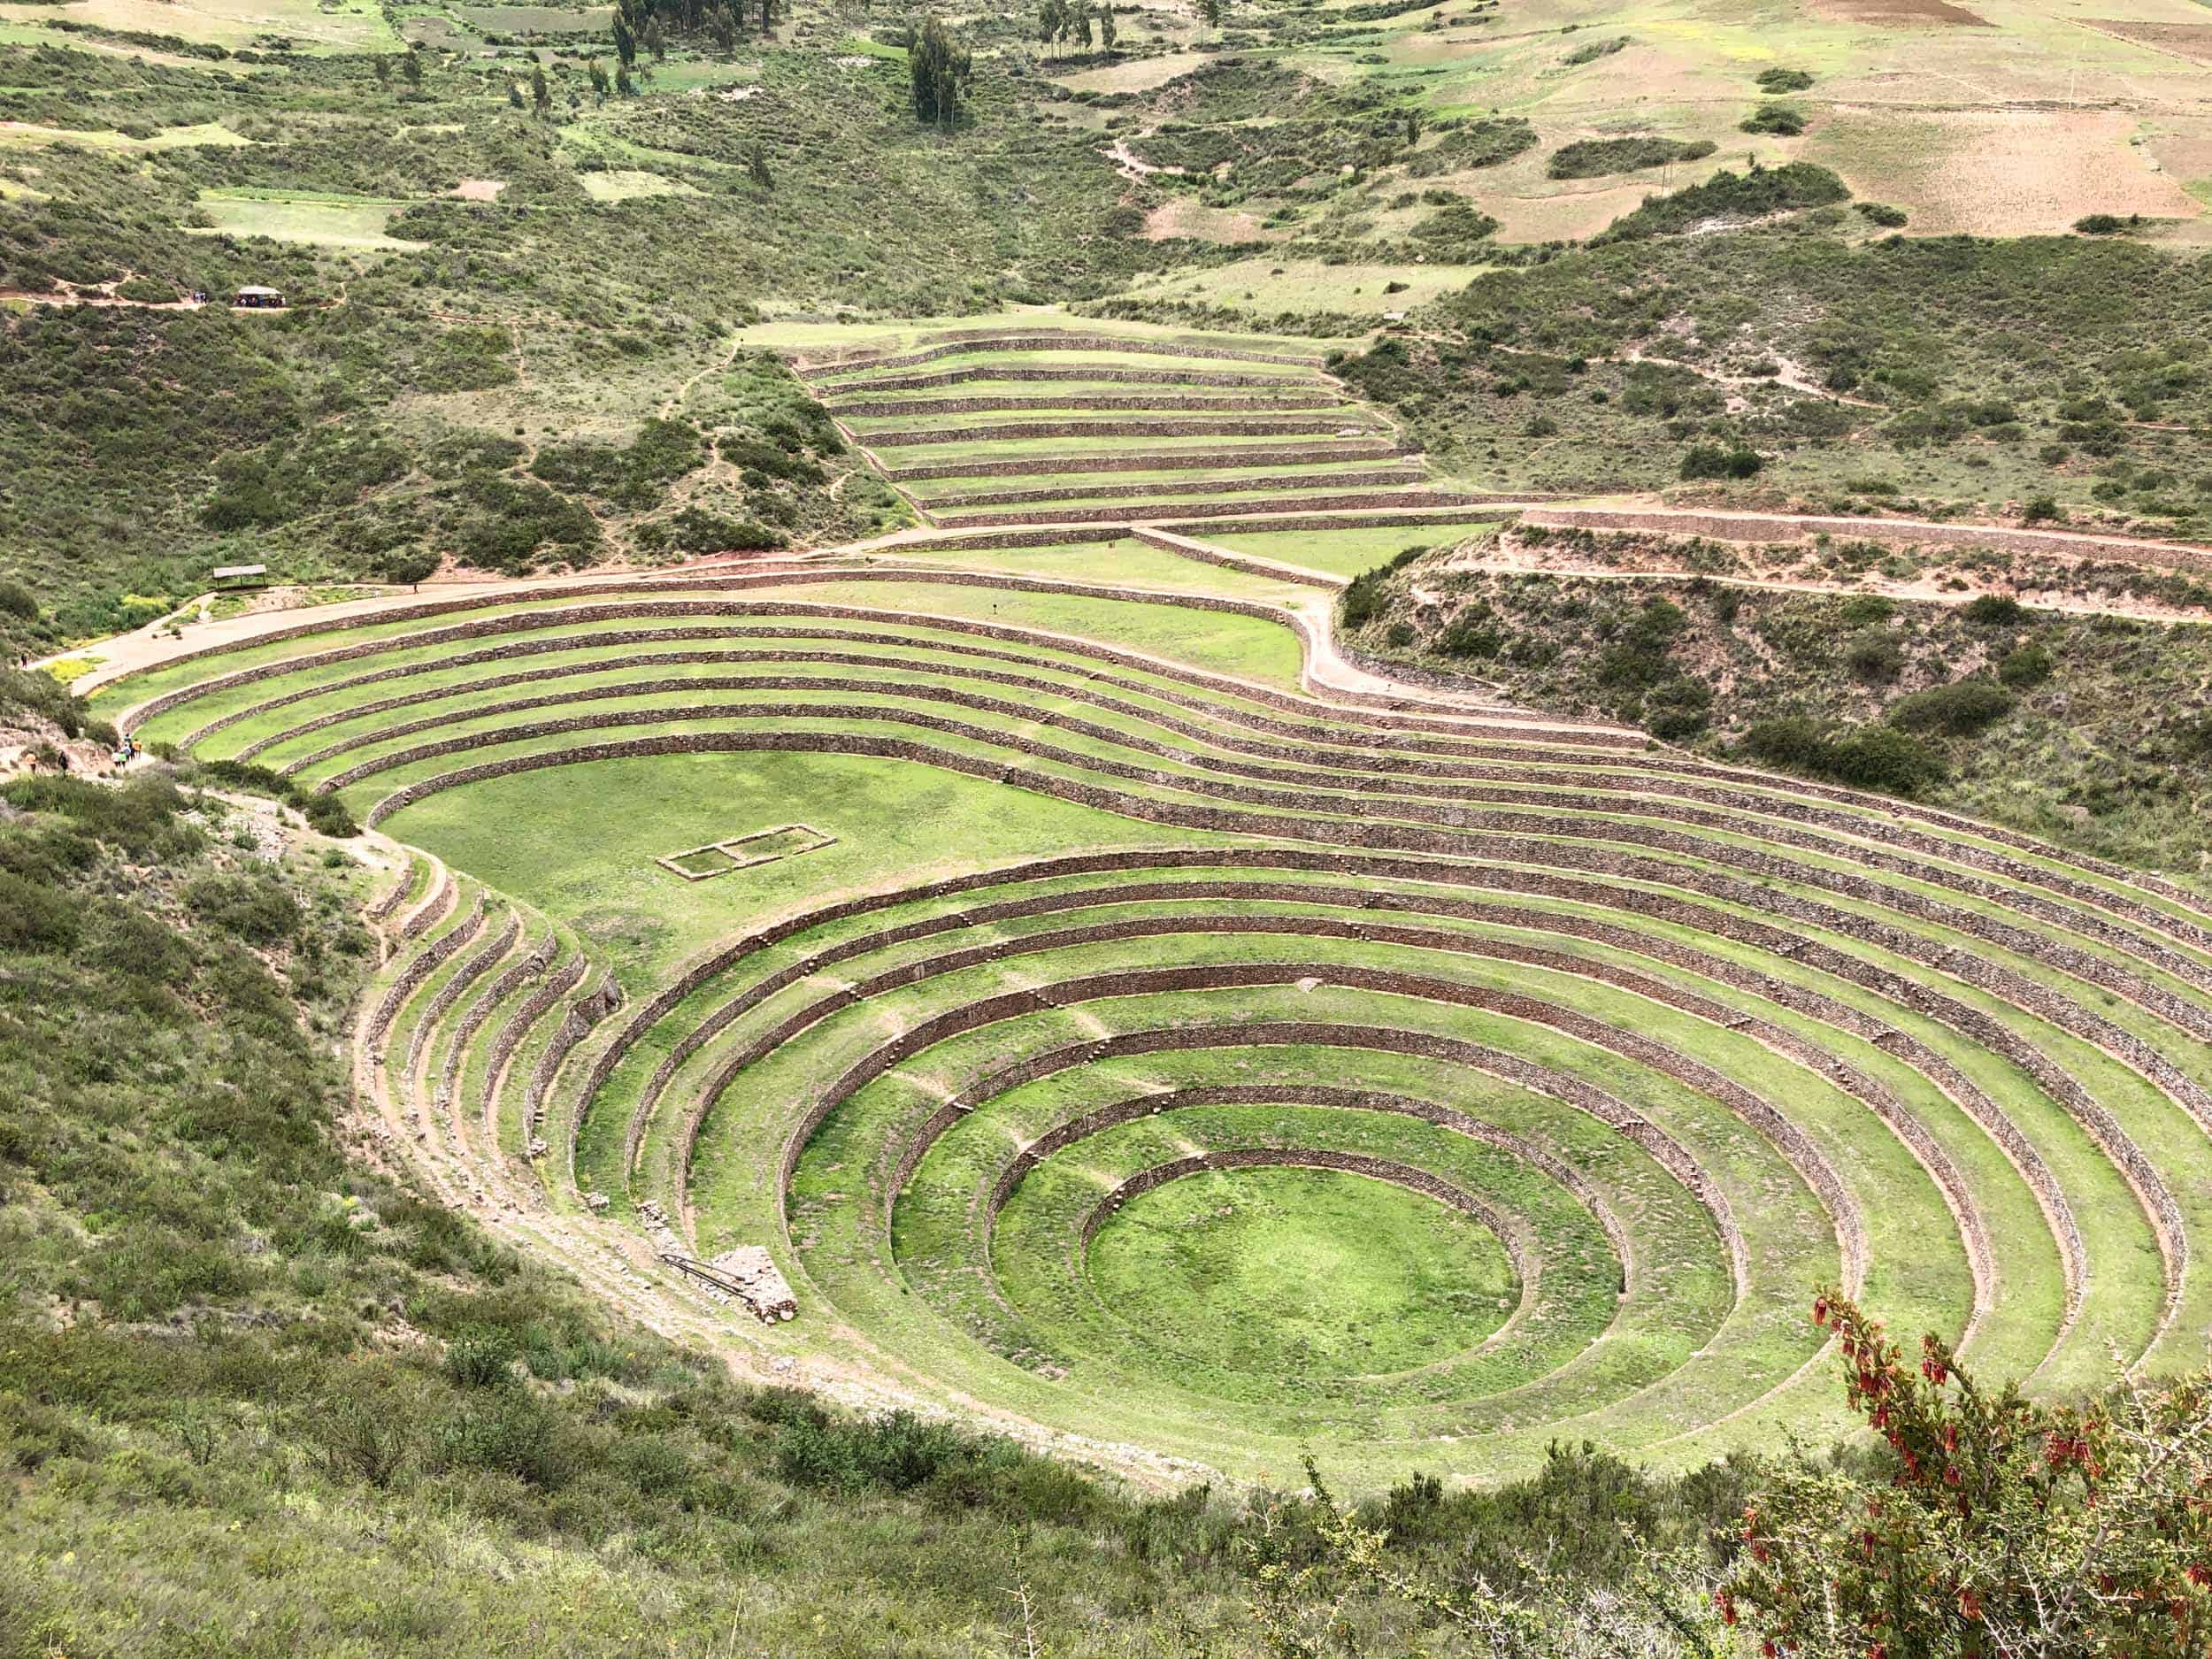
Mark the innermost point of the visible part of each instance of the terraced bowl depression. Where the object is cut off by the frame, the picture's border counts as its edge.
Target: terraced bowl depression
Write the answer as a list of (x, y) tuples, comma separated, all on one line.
[(1116, 1039)]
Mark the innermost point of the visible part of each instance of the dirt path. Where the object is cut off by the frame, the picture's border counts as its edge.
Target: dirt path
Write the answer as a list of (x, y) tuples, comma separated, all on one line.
[(1914, 593)]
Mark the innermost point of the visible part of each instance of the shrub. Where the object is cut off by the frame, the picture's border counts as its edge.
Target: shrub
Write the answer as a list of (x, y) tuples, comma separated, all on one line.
[(18, 601), (2042, 510), (1874, 654), (1777, 118), (2106, 223), (1590, 157), (1678, 708), (1705, 460), (1883, 214), (1867, 757), (256, 908), (1470, 636), (1962, 707), (1780, 81), (2029, 665), (480, 1359), (2006, 1508), (1993, 610), (1863, 609), (1882, 757), (1755, 194)]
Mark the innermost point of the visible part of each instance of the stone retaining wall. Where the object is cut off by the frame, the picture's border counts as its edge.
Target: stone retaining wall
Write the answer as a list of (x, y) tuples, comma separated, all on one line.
[(1187, 895), (1207, 553), (1088, 1124), (1378, 448), (1584, 822), (1403, 727), (1410, 473), (583, 1014), (424, 963), (1405, 1175), (1469, 732), (990, 402), (452, 990), (1568, 1090), (533, 962), (1210, 426), (1168, 511), (436, 905), (556, 985), (829, 371), (2030, 996), (921, 380)]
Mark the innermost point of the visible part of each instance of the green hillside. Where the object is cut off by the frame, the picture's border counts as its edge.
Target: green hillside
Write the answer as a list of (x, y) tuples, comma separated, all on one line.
[(1105, 830)]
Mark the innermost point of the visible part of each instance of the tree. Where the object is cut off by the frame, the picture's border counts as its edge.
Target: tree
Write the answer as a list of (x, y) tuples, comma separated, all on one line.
[(654, 40), (1994, 1524), (942, 70), (540, 93), (1107, 30), (1211, 13), (623, 85), (381, 66), (411, 69), (1052, 21), (514, 95), (767, 17), (756, 164), (598, 74), (624, 43)]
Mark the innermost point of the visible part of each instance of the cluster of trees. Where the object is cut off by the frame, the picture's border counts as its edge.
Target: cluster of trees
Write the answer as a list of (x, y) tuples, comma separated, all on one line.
[(942, 70), (1070, 21), (648, 24)]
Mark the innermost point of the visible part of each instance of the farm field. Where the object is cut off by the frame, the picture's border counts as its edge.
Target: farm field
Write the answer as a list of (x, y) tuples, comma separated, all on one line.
[(1116, 967)]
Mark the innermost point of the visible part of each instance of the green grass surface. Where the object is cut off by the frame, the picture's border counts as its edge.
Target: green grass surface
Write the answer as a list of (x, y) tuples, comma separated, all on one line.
[(317, 221)]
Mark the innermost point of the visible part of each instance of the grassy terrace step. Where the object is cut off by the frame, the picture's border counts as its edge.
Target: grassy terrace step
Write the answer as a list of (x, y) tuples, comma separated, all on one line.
[(856, 410), (1343, 422), (940, 494), (1882, 1038), (1060, 344), (1164, 508), (1130, 969), (1099, 375), (996, 463)]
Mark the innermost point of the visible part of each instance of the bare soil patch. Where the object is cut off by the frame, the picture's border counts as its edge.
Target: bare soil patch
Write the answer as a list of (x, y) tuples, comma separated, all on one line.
[(1999, 172), (480, 189), (1897, 14), (2191, 41), (1185, 218)]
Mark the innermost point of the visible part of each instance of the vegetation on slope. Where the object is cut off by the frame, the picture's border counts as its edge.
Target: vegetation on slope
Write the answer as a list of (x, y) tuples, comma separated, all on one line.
[(2042, 719)]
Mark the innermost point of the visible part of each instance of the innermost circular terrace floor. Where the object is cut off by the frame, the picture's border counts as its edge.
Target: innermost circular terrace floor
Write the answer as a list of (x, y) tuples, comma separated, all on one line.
[(1302, 1271)]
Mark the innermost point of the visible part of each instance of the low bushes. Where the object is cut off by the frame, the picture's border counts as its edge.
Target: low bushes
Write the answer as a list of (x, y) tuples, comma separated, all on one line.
[(1865, 756), (1964, 707), (1777, 118), (1712, 460), (1757, 194), (1590, 157)]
